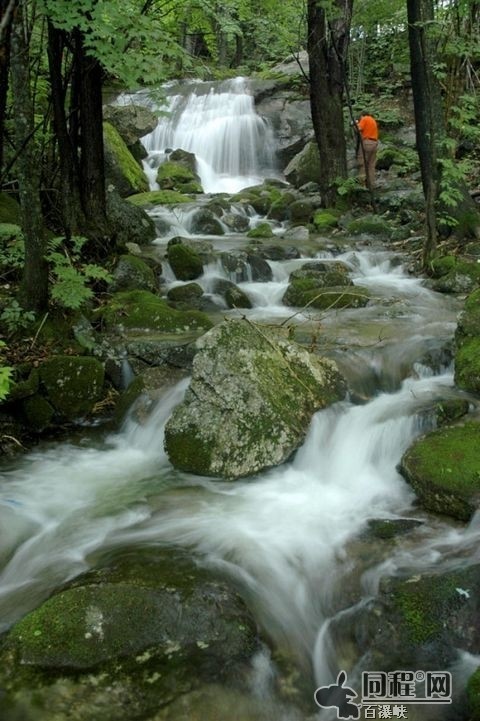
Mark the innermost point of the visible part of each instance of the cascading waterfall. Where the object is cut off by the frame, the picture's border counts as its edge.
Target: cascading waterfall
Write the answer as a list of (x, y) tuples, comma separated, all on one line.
[(234, 147), (282, 535)]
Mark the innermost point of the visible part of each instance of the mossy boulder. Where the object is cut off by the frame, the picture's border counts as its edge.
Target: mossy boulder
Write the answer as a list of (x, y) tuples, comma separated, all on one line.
[(467, 365), (421, 621), (130, 223), (369, 225), (301, 211), (443, 468), (205, 222), (9, 210), (124, 641), (304, 167), (188, 293), (121, 168), (455, 275), (473, 696), (72, 385), (469, 319), (388, 528), (178, 175), (325, 220), (184, 261), (250, 401), (317, 292), (132, 273), (131, 121), (400, 160), (141, 310), (37, 412), (235, 297), (262, 230), (158, 197)]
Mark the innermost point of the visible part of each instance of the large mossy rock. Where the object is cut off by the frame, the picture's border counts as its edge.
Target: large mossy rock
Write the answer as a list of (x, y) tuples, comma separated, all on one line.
[(131, 121), (304, 167), (467, 338), (125, 641), (416, 622), (184, 261), (250, 401), (122, 170), (455, 275), (72, 384), (141, 310), (158, 197), (179, 173), (324, 285), (132, 273), (443, 469), (130, 223)]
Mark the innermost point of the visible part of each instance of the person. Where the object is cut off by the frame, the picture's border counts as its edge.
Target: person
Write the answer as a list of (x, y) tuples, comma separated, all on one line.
[(367, 148)]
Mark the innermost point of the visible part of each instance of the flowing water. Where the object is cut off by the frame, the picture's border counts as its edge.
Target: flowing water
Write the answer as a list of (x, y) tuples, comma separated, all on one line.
[(283, 535), (288, 536)]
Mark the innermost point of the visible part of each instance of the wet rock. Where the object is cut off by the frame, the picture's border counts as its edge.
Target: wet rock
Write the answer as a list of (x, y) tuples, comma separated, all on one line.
[(259, 268), (236, 265), (262, 230), (236, 222), (204, 222), (387, 528), (416, 622), (158, 197), (125, 641), (442, 468), (449, 410), (130, 224), (131, 121), (250, 401), (305, 166), (184, 261), (455, 275), (467, 340), (72, 385), (369, 225), (237, 298), (298, 234), (179, 173), (132, 273), (121, 168), (303, 293), (187, 295), (141, 310), (278, 252), (301, 211)]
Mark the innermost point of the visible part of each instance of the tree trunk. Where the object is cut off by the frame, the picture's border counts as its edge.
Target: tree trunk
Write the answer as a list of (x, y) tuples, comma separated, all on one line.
[(92, 168), (73, 218), (35, 279), (327, 47), (431, 133), (7, 9)]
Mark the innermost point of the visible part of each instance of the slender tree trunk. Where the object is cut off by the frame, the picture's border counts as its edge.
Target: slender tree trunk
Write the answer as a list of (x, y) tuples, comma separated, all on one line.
[(92, 169), (327, 48), (35, 279), (7, 10), (72, 214)]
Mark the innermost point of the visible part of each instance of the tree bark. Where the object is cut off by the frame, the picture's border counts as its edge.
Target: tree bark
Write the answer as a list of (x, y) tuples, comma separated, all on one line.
[(35, 278), (7, 10), (327, 46)]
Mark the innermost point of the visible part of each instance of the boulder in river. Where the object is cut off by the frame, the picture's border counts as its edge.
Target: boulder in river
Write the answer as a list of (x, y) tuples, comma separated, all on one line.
[(250, 401)]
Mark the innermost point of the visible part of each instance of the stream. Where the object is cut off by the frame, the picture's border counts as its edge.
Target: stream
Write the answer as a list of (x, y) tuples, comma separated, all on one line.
[(287, 536)]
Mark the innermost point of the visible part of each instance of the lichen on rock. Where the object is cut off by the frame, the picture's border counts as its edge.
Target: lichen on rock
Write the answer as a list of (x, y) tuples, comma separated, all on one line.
[(250, 401)]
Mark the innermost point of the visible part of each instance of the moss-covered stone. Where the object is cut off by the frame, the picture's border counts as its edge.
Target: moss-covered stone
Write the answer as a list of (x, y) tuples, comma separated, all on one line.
[(369, 226), (184, 261), (38, 412), (455, 275), (388, 528), (250, 401), (324, 220), (304, 167), (124, 641), (173, 175), (72, 384), (205, 222), (442, 265), (301, 211), (469, 320), (158, 197), (450, 410), (24, 388), (467, 365), (142, 310), (443, 468), (473, 696), (132, 273), (311, 292), (262, 230), (129, 222), (188, 293), (122, 170), (236, 298), (402, 160), (9, 210)]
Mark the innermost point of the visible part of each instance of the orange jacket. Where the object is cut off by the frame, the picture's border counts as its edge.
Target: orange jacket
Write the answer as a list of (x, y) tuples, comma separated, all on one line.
[(368, 127)]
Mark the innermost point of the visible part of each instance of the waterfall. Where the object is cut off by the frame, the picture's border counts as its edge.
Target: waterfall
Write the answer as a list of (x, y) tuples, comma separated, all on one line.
[(234, 147)]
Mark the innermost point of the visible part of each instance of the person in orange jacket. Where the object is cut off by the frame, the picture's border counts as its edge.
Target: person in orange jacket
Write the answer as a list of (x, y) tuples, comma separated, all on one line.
[(367, 148)]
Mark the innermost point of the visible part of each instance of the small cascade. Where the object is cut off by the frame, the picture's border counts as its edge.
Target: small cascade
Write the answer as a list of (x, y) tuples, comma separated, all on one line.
[(234, 146)]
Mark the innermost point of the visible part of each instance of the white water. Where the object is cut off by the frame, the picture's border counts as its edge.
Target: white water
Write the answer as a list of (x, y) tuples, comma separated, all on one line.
[(282, 535), (234, 147)]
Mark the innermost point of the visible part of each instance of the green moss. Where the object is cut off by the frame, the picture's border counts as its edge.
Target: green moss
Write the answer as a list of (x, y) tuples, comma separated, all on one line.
[(443, 265), (184, 261), (72, 384), (263, 230), (369, 226), (306, 291), (473, 696), (185, 293), (188, 451), (38, 412), (125, 172), (10, 232), (177, 176), (158, 197), (132, 273), (24, 388), (444, 469), (467, 365), (143, 310), (324, 219), (9, 210)]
